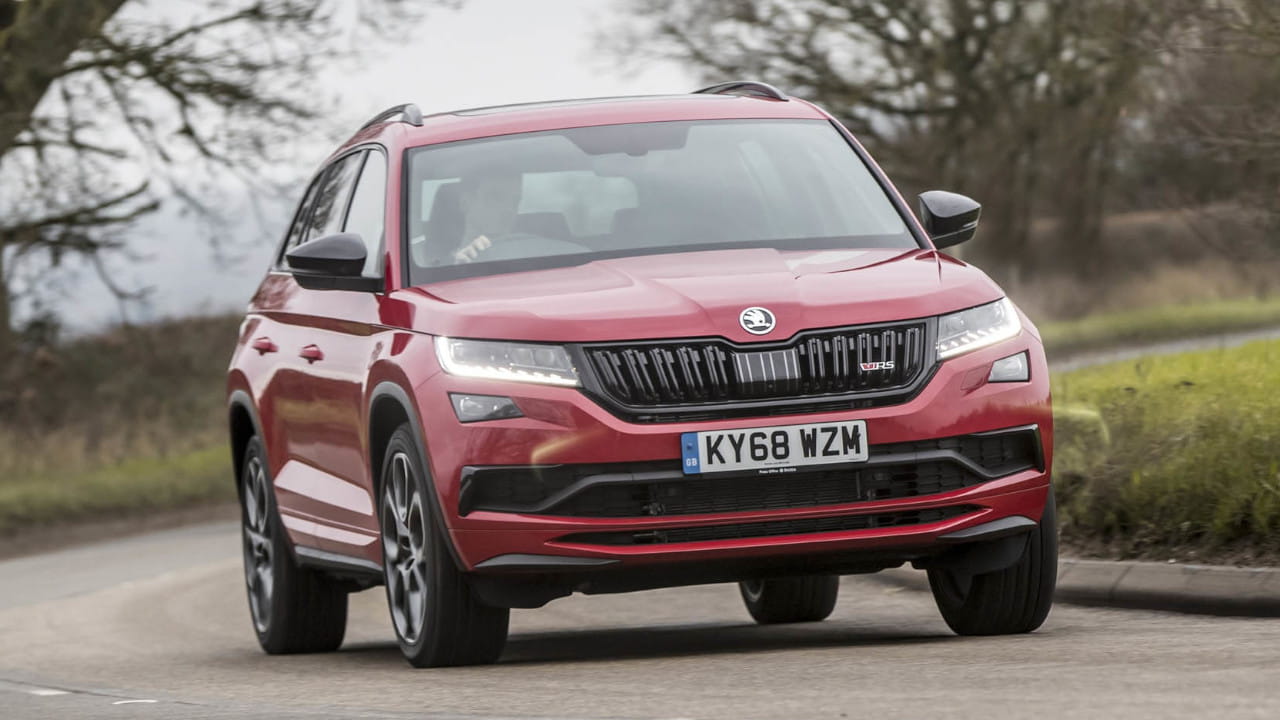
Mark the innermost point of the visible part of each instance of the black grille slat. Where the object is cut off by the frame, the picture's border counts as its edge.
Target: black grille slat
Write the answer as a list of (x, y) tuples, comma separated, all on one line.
[(676, 374), (767, 492), (744, 531)]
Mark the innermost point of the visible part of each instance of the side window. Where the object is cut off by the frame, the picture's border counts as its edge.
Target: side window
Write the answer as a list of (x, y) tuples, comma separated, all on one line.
[(330, 204), (298, 227), (367, 213)]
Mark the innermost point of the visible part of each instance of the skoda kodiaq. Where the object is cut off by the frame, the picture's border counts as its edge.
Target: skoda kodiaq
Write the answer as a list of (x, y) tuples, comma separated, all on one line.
[(511, 353)]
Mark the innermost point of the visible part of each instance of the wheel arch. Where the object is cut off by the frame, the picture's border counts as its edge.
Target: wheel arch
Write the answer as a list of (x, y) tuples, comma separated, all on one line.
[(242, 424), (390, 406)]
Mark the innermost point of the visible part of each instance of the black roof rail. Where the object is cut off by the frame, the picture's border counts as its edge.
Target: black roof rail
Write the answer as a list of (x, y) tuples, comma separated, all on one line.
[(744, 87), (407, 112)]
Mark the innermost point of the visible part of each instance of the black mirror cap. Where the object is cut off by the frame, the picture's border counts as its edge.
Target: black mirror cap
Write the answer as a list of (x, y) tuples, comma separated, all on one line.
[(949, 218), (332, 262), (342, 254)]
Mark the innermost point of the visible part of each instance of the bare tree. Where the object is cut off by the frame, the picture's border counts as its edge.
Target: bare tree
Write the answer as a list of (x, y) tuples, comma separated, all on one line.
[(109, 107), (1224, 110), (1014, 102)]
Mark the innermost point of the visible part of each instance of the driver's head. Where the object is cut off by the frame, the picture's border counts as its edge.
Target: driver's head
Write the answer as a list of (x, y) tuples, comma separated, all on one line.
[(490, 200)]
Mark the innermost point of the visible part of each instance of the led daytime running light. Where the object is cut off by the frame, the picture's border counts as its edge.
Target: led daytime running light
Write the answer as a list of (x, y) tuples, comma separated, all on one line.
[(492, 371), (1004, 327)]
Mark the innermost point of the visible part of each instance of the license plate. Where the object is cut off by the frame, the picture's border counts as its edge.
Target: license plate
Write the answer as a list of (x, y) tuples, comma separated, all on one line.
[(777, 449)]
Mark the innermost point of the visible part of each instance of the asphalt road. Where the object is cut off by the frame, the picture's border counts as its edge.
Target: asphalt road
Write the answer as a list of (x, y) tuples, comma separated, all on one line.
[(156, 626)]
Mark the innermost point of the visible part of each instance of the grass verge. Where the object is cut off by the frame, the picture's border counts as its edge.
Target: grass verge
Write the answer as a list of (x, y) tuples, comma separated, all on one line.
[(1173, 455), (131, 487), (1156, 324)]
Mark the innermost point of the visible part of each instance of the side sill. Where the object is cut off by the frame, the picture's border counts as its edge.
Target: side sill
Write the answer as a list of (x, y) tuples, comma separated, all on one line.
[(363, 573)]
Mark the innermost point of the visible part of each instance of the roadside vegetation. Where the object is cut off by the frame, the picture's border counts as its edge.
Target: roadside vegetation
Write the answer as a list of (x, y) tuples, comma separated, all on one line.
[(130, 421), (1173, 457), (1155, 324)]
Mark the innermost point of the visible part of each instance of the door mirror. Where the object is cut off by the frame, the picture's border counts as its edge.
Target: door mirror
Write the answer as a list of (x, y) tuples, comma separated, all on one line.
[(332, 262), (950, 219)]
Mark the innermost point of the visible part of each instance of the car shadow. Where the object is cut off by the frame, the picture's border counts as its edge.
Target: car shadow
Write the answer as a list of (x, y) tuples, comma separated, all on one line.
[(673, 641)]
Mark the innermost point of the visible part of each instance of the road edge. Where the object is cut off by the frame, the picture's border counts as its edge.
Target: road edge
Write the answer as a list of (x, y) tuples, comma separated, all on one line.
[(1170, 587), (38, 539)]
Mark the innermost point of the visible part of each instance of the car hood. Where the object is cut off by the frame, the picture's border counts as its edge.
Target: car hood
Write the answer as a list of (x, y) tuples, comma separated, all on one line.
[(702, 294)]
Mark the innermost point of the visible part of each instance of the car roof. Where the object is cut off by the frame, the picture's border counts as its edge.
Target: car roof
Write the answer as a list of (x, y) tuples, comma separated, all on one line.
[(495, 120)]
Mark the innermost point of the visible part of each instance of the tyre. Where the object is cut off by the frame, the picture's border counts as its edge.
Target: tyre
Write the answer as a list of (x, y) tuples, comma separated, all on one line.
[(438, 620), (1014, 600), (808, 598), (294, 609)]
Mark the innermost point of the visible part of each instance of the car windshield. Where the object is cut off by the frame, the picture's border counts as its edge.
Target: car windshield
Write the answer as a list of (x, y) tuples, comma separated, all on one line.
[(567, 197)]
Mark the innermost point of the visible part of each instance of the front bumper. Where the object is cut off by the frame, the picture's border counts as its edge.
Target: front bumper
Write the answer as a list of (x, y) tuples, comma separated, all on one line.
[(561, 426)]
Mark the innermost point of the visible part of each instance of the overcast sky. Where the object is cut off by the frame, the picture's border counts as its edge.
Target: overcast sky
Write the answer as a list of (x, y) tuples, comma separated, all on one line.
[(489, 52)]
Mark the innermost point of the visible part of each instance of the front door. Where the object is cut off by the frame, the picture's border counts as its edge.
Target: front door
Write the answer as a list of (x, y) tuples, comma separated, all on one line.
[(329, 338)]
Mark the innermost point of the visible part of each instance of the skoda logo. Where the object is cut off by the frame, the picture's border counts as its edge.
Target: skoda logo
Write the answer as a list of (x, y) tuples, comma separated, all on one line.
[(756, 320)]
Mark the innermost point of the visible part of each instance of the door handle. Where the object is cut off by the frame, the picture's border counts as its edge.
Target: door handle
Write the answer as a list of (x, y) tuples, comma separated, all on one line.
[(311, 353), (263, 345)]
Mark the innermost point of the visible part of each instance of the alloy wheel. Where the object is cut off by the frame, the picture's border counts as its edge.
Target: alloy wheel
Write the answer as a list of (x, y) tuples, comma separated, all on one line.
[(258, 555), (404, 549)]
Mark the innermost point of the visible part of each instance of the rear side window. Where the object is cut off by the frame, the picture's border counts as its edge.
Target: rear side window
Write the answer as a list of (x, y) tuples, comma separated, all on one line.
[(329, 207), (367, 215)]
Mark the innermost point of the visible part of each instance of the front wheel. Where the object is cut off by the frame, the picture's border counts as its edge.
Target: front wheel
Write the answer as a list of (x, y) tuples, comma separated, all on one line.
[(1014, 600), (808, 598), (438, 620)]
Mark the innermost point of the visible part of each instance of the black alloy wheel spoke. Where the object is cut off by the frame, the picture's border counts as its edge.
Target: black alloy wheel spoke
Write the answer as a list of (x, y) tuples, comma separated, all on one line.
[(404, 549), (257, 544)]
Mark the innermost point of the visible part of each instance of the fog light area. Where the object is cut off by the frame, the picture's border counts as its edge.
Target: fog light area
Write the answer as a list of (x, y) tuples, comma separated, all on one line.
[(474, 408), (1014, 368)]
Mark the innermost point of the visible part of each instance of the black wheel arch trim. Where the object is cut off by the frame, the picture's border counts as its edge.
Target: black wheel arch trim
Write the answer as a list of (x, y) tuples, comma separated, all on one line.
[(241, 400), (393, 391)]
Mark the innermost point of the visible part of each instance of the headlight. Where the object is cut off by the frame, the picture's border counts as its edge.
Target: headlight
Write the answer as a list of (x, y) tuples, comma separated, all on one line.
[(496, 360), (961, 332)]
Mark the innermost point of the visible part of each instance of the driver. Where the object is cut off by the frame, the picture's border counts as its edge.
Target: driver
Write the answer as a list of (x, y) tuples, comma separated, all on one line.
[(489, 201)]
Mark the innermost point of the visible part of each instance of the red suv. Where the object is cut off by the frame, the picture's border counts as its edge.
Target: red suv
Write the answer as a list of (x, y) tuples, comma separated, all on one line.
[(511, 353)]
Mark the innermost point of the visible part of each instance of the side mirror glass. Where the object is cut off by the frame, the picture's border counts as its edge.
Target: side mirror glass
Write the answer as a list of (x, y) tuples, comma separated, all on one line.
[(332, 262), (949, 218)]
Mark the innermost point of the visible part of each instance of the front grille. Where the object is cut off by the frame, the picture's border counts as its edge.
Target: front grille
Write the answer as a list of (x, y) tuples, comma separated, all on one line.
[(894, 471), (693, 376), (774, 528)]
